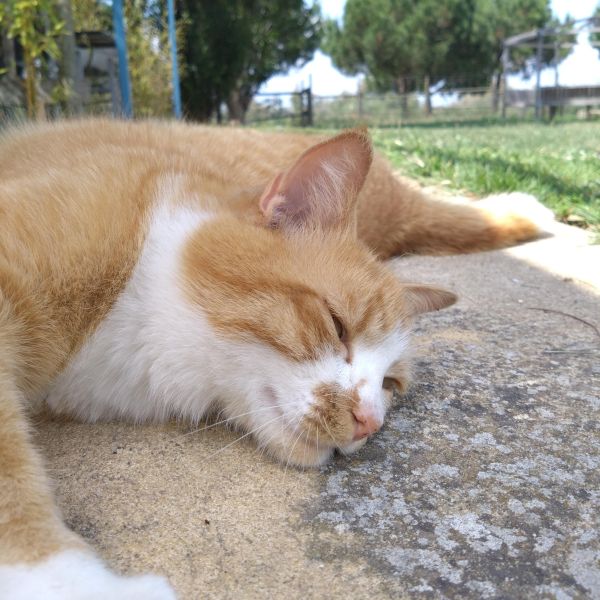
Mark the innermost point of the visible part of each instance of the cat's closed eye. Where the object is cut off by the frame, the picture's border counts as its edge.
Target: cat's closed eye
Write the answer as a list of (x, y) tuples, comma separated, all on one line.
[(342, 336), (339, 328)]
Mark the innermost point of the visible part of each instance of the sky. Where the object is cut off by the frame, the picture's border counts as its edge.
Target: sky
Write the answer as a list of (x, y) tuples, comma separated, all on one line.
[(581, 67)]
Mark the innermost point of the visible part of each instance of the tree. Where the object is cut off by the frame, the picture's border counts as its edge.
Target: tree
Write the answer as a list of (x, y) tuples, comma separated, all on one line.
[(392, 40), (233, 46), (91, 15), (7, 52), (373, 41), (37, 24), (276, 36), (211, 49)]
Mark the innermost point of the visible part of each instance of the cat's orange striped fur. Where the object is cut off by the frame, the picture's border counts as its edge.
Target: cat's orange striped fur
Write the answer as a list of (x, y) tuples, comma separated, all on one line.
[(255, 236)]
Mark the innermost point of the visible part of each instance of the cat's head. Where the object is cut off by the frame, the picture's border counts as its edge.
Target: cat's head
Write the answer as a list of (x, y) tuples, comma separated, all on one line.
[(312, 329)]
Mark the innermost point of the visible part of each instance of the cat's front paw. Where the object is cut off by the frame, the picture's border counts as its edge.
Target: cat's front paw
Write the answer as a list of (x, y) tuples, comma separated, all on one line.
[(76, 575)]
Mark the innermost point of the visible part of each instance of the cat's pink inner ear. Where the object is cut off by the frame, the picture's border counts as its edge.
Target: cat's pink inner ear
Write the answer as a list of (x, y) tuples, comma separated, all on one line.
[(322, 186), (421, 298), (271, 196)]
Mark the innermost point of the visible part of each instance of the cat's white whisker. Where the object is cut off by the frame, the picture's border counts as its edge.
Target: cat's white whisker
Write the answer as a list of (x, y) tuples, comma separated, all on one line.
[(264, 444), (287, 464), (232, 418), (296, 415), (245, 436), (323, 421), (306, 445)]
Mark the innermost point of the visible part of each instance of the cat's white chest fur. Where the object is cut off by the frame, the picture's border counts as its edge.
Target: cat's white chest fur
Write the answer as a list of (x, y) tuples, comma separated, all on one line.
[(125, 369)]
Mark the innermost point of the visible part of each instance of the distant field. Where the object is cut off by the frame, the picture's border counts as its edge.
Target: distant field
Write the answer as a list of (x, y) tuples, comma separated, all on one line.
[(558, 163)]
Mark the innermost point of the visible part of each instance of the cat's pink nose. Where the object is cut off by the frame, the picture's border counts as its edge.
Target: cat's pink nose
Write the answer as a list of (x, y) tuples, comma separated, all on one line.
[(366, 423)]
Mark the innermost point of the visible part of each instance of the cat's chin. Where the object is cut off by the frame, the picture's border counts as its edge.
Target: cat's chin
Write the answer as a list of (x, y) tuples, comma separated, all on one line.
[(352, 446), (308, 454), (305, 454)]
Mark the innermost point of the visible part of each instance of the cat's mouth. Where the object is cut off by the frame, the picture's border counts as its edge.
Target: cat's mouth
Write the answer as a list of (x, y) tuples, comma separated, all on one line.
[(307, 441)]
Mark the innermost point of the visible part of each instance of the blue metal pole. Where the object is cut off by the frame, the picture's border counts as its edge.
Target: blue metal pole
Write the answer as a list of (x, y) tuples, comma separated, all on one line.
[(173, 44), (124, 83)]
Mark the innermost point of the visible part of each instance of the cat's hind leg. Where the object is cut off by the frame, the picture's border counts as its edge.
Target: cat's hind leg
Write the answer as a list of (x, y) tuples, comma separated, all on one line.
[(39, 556), (404, 220)]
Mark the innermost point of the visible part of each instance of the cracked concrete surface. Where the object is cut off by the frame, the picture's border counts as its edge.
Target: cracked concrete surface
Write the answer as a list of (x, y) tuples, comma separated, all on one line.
[(484, 482)]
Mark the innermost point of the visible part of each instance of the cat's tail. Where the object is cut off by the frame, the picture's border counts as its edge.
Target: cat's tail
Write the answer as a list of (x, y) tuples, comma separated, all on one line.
[(395, 219)]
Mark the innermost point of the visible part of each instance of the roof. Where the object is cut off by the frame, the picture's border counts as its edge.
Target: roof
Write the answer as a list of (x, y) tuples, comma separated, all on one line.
[(94, 39)]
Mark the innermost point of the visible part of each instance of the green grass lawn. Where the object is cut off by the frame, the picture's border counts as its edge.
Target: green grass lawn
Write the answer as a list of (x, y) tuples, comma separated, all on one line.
[(559, 163)]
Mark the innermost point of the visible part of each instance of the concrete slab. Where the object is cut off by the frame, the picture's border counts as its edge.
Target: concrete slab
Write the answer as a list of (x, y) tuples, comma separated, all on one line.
[(484, 482)]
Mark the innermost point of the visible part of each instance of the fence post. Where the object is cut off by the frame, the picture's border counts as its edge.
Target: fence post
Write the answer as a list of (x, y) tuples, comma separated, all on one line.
[(303, 108), (124, 82), (309, 119), (306, 107), (427, 91)]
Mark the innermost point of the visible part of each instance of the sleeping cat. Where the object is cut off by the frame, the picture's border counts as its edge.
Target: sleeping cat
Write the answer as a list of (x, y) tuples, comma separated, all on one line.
[(154, 270)]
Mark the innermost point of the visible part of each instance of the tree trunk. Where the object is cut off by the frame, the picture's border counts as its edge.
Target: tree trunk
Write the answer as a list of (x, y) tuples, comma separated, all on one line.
[(496, 80), (238, 103), (67, 64), (402, 84), (235, 107), (30, 89), (427, 90)]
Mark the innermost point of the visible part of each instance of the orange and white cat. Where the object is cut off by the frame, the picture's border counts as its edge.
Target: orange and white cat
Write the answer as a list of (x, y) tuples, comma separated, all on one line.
[(155, 270)]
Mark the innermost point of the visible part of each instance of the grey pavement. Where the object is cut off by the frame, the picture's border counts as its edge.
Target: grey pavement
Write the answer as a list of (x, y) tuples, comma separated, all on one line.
[(484, 482)]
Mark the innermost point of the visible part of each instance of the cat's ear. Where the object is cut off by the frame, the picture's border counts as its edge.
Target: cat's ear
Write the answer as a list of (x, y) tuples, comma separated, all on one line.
[(321, 188), (421, 298)]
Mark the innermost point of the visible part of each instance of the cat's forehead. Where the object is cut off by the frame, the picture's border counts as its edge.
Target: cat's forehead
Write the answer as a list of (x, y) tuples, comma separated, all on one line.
[(358, 288)]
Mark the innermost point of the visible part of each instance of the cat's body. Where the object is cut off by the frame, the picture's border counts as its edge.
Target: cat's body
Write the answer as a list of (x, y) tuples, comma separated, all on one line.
[(150, 271)]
